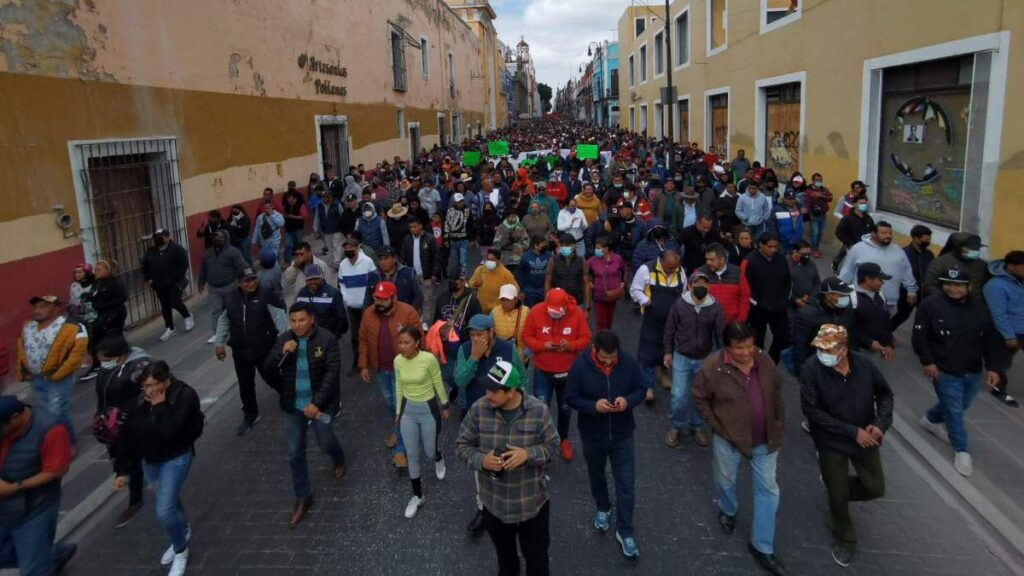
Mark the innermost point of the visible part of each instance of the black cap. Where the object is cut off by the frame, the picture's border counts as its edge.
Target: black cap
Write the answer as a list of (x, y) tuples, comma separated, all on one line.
[(955, 275), (566, 238), (973, 242), (871, 270), (857, 183), (833, 284), (386, 251), (789, 193), (247, 272)]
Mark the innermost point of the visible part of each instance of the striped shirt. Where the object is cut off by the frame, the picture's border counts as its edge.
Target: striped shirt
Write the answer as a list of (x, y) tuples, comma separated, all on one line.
[(303, 385)]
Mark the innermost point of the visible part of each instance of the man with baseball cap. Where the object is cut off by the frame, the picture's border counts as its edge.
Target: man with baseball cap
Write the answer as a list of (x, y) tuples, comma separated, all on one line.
[(325, 301), (377, 339), (50, 350), (955, 339), (165, 269), (848, 405), (833, 304), (35, 452), (511, 467), (871, 322), (459, 230), (403, 277)]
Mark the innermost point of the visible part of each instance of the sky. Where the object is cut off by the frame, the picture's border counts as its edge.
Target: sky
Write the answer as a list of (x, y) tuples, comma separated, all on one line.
[(558, 31)]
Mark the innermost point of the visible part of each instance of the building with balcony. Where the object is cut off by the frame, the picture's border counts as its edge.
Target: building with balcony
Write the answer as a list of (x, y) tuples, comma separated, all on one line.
[(606, 84)]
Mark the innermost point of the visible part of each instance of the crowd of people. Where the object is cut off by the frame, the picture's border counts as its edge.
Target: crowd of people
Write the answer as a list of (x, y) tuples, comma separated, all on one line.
[(710, 254)]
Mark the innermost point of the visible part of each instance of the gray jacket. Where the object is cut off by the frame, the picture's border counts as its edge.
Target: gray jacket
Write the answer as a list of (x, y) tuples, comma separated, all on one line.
[(221, 266)]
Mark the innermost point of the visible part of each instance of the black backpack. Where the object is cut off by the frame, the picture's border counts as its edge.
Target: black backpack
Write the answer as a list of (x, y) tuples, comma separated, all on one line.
[(266, 230)]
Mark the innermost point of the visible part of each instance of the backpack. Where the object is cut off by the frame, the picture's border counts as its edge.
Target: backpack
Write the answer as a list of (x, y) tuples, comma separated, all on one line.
[(266, 230)]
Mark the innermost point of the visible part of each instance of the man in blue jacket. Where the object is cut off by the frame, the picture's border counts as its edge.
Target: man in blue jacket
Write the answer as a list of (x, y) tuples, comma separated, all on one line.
[(605, 385), (1004, 294), (788, 220)]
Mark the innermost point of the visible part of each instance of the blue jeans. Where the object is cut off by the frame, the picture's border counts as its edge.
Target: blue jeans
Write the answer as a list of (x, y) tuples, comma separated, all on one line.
[(245, 247), (596, 451), (955, 396), (296, 425), (53, 397), (460, 256), (817, 226), (648, 373), (726, 464), (291, 239), (167, 479), (386, 383), (545, 385), (29, 546), (757, 229), (684, 370)]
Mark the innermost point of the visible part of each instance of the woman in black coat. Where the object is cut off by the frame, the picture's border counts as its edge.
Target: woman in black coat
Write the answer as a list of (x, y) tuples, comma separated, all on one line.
[(108, 300)]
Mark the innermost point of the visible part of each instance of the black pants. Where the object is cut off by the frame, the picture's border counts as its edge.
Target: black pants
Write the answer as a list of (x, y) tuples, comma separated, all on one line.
[(1004, 359), (136, 479), (246, 366), (903, 310), (104, 325), (867, 483), (355, 320), (534, 537), (761, 320), (170, 300)]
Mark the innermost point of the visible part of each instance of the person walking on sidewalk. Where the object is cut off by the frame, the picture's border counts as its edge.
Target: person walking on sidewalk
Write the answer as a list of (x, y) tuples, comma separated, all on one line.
[(740, 396), (871, 323), (556, 330), (35, 453), (247, 325), (422, 404), (161, 432), (692, 331), (848, 405), (165, 269), (954, 338), (963, 250), (306, 363), (220, 268), (377, 338), (920, 257), (879, 249), (109, 300), (267, 230), (604, 388), (50, 350), (118, 382), (509, 440), (1004, 294), (832, 304), (770, 285), (852, 228)]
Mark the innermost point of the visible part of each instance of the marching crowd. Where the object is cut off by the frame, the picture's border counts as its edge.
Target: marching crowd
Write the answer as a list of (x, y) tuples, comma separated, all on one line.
[(711, 254)]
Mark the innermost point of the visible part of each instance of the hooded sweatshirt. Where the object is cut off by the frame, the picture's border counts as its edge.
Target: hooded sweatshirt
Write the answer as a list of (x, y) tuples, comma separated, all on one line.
[(693, 329), (373, 230), (1004, 295), (541, 329), (893, 261)]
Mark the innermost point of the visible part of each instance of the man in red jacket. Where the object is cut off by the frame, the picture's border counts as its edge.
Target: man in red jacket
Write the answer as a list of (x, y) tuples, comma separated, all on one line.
[(727, 283), (556, 330)]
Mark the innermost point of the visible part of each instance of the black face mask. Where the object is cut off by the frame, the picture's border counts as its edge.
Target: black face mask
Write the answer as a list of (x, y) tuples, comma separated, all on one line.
[(805, 258), (350, 254), (924, 245), (700, 292)]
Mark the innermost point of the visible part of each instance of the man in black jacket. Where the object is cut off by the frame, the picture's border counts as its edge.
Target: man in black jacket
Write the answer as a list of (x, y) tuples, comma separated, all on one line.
[(848, 405), (920, 257), (695, 240), (325, 301), (852, 228), (307, 365), (770, 284), (831, 305), (605, 385), (420, 253), (954, 338), (249, 329), (165, 269), (871, 315)]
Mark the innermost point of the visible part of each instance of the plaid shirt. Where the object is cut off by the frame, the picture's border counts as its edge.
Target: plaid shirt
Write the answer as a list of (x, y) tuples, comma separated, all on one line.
[(519, 494)]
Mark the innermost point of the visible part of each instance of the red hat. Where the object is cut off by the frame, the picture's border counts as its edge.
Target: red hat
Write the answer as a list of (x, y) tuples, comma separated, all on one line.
[(557, 301), (385, 290)]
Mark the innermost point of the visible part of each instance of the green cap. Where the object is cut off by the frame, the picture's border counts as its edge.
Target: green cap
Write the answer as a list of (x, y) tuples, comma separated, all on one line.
[(502, 374)]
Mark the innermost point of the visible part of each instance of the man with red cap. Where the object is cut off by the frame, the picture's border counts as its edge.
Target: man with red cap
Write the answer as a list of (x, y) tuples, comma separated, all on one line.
[(377, 351), (556, 330)]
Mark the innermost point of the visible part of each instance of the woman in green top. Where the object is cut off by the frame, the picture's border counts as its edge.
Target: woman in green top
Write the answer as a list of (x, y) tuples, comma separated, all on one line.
[(421, 404)]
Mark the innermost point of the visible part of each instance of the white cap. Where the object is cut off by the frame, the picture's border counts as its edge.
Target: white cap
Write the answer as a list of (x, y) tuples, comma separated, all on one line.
[(458, 198), (719, 169), (508, 292)]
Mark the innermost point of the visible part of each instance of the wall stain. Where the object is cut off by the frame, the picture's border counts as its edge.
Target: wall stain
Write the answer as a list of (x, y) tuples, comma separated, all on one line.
[(42, 38), (233, 62), (257, 84), (835, 140)]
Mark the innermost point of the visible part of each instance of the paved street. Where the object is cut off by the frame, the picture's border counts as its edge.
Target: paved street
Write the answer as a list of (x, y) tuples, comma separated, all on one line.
[(238, 498)]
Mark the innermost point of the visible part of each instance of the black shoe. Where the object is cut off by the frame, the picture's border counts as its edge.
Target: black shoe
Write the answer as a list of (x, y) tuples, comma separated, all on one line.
[(1003, 397), (62, 554), (842, 554), (247, 423), (476, 525), (728, 523), (767, 561), (128, 514)]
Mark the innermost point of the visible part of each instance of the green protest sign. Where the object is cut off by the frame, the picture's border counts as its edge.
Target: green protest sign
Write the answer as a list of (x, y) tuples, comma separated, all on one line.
[(497, 148), (471, 158), (585, 151)]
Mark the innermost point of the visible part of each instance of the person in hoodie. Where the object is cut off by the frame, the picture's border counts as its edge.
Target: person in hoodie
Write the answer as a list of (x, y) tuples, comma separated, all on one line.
[(512, 240), (878, 248), (754, 209), (656, 240), (1004, 295), (556, 330), (268, 228), (852, 228), (206, 232), (604, 388), (372, 229), (693, 330), (533, 270), (404, 278), (962, 250), (165, 269), (239, 226), (118, 380)]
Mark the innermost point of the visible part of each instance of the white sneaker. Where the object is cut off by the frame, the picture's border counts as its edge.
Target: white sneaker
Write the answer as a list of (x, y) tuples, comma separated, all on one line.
[(414, 505), (168, 333), (212, 340), (179, 563), (168, 556), (937, 430), (190, 323), (440, 470), (806, 426), (962, 463)]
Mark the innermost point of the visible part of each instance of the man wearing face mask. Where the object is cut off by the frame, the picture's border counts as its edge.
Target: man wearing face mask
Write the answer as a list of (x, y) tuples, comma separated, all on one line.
[(614, 192), (805, 277), (165, 269), (356, 274), (373, 230), (962, 250), (220, 268), (533, 271), (954, 338), (871, 314), (920, 257), (852, 228), (848, 405), (879, 249), (833, 304), (488, 279), (569, 271)]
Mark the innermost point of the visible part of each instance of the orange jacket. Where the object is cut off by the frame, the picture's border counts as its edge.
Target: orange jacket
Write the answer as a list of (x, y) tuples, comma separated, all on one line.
[(541, 328), (65, 355), (402, 315)]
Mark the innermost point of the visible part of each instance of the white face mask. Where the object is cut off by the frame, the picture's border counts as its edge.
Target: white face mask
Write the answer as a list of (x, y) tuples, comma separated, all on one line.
[(490, 265), (827, 359), (108, 364), (368, 214), (843, 302)]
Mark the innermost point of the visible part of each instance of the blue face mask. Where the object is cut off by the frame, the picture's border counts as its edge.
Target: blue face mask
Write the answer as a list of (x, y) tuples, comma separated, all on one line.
[(972, 254), (565, 251), (827, 359), (843, 302), (862, 207), (599, 252)]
